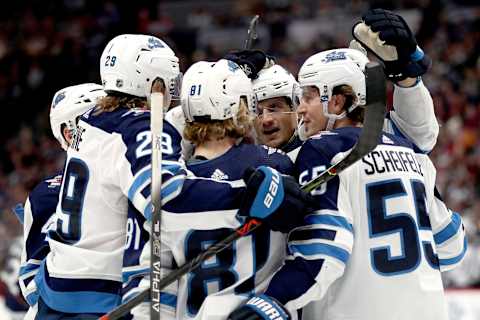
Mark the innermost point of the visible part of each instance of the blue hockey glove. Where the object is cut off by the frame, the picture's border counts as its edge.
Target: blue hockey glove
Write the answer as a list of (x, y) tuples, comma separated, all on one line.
[(273, 198), (260, 308), (387, 35), (251, 61)]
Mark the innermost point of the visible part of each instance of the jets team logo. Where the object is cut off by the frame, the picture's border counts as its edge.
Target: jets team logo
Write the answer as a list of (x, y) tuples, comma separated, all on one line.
[(154, 43), (334, 56), (59, 97)]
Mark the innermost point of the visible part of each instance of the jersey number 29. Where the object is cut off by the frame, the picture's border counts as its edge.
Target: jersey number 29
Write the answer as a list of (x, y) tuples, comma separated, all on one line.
[(74, 187)]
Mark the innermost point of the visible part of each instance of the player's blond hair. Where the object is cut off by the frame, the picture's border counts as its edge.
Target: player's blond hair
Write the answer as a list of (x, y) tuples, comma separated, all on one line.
[(110, 103), (199, 132), (113, 101)]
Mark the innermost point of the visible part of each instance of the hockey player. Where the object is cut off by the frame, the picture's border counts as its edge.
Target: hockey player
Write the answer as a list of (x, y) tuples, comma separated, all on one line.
[(278, 95), (37, 215), (216, 98), (107, 167), (379, 225), (412, 116)]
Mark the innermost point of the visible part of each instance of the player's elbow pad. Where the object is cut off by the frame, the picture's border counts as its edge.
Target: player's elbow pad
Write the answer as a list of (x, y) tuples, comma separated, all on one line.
[(451, 243)]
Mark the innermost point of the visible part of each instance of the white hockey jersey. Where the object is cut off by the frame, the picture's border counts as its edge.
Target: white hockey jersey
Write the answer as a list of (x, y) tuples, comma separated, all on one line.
[(380, 236), (108, 166)]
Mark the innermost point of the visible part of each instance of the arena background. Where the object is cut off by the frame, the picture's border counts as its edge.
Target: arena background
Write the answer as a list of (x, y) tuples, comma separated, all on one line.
[(46, 45)]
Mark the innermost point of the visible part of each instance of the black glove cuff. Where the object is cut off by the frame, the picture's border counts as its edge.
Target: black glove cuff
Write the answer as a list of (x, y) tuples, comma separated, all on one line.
[(398, 70)]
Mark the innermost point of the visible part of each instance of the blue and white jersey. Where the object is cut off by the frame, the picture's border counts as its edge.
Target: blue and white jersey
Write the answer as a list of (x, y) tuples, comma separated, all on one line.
[(206, 212), (136, 258), (413, 116), (378, 227), (108, 164), (37, 216)]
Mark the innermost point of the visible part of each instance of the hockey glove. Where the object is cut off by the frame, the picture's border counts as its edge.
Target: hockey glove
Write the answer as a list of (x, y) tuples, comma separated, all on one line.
[(260, 308), (251, 61), (387, 35), (275, 199)]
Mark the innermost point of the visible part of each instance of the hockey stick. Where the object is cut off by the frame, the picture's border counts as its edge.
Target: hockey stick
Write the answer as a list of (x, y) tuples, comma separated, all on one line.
[(368, 140), (252, 32), (156, 127)]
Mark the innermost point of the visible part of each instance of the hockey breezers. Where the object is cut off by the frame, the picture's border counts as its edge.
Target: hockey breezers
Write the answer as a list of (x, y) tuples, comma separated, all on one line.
[(368, 140)]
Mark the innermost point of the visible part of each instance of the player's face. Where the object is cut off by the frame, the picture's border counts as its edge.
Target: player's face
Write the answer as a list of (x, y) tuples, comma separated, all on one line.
[(275, 122), (311, 110)]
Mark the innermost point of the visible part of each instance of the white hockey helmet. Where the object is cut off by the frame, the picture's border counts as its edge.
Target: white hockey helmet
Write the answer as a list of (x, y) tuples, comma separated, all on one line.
[(131, 62), (69, 103), (329, 69), (275, 82), (213, 90)]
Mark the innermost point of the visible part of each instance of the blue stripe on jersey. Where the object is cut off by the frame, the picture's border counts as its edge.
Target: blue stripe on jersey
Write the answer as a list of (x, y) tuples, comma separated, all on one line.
[(449, 261), (329, 219), (148, 211), (19, 212), (172, 168), (449, 231), (68, 299), (131, 289), (28, 268), (321, 248), (128, 275), (138, 182), (171, 187), (32, 298), (168, 299), (310, 234), (299, 271)]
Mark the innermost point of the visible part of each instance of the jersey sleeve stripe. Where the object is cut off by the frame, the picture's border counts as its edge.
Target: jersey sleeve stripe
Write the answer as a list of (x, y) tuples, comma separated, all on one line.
[(315, 249), (449, 231), (172, 188), (128, 275), (19, 212), (78, 301), (329, 219), (32, 298), (140, 179), (32, 265), (456, 259), (168, 299), (309, 234)]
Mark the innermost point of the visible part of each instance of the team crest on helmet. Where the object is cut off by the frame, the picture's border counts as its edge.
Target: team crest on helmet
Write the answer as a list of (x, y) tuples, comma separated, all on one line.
[(334, 56), (154, 43), (232, 66), (58, 98)]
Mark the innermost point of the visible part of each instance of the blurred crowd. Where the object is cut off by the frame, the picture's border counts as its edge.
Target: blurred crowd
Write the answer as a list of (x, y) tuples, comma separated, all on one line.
[(46, 45)]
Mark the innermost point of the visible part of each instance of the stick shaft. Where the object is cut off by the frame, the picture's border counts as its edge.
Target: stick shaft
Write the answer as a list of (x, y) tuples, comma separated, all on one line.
[(156, 127)]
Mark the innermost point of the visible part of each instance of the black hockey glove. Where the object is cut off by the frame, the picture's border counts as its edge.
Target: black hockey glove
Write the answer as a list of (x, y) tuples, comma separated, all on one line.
[(275, 199), (251, 61), (260, 308), (387, 35)]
